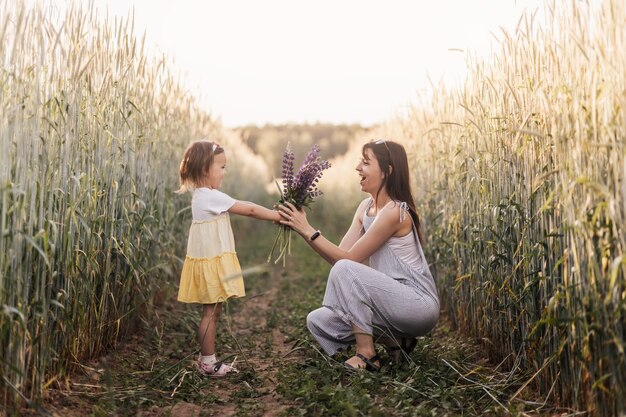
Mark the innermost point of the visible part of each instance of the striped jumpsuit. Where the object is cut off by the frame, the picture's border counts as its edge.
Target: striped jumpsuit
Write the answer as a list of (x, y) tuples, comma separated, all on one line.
[(394, 296)]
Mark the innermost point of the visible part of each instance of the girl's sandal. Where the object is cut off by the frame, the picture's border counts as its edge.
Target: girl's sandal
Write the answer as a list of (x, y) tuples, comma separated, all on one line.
[(369, 363), (218, 369)]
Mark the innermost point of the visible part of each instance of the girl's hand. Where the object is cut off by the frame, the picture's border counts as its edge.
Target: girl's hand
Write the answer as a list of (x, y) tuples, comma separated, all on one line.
[(278, 217), (296, 219)]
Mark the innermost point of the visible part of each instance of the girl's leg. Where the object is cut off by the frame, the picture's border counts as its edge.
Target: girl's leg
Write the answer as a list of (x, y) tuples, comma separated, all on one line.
[(208, 364), (208, 328)]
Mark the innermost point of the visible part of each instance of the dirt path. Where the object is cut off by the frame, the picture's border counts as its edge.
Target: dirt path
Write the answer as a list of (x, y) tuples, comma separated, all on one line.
[(125, 383), (252, 320)]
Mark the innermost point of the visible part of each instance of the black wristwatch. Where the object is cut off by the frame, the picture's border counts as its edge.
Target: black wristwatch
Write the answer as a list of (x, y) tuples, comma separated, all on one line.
[(315, 235)]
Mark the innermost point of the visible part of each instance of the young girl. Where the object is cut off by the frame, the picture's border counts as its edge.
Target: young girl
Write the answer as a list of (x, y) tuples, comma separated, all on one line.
[(211, 273)]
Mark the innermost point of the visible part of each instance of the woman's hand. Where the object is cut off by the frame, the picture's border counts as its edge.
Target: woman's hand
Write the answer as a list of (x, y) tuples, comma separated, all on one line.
[(296, 219)]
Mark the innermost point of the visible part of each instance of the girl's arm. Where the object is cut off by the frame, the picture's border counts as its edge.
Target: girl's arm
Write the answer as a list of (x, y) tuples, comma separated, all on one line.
[(385, 226), (249, 209), (352, 235)]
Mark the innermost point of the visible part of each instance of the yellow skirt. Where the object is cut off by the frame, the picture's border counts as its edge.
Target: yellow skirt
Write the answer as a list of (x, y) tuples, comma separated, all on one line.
[(209, 281)]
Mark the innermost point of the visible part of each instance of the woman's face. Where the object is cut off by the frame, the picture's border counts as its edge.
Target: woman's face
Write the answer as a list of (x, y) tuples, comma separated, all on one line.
[(217, 171), (370, 173)]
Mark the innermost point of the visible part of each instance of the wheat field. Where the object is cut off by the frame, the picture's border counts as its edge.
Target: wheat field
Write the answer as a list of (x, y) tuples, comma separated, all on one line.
[(91, 132), (521, 175)]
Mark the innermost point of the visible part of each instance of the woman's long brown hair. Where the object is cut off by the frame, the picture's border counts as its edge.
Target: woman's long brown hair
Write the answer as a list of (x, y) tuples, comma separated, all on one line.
[(393, 161)]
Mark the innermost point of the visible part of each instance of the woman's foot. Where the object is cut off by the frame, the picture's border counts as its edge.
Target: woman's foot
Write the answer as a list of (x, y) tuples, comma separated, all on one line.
[(359, 361), (398, 349)]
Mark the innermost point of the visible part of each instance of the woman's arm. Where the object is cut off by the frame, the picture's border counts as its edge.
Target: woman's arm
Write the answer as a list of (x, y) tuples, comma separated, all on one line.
[(247, 208), (384, 226), (354, 232), (351, 236)]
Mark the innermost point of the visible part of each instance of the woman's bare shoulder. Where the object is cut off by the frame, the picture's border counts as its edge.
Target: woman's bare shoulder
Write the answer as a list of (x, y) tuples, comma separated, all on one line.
[(392, 211), (362, 206), (364, 203), (393, 215)]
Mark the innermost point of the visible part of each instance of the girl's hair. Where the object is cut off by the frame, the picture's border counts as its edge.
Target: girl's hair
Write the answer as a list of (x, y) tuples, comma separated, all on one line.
[(394, 163), (196, 162)]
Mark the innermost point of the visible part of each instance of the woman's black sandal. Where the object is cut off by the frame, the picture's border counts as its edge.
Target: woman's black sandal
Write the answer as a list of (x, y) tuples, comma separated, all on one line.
[(402, 350), (369, 363)]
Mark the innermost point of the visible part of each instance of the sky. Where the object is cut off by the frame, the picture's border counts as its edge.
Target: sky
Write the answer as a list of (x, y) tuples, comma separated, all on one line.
[(333, 61)]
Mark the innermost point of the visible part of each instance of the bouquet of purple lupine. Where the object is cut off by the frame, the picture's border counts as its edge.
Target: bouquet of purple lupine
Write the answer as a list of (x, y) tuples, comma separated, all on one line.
[(299, 189)]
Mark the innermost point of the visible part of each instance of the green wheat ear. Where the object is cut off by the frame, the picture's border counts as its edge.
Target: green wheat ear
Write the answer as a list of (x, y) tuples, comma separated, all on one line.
[(280, 191)]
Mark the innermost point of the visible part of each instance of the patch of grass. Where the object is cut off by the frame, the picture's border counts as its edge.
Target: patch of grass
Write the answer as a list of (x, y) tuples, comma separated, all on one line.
[(282, 367)]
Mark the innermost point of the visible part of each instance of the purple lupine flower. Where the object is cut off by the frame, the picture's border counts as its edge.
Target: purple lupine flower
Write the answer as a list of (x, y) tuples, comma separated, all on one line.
[(312, 156), (305, 181), (287, 168), (299, 189)]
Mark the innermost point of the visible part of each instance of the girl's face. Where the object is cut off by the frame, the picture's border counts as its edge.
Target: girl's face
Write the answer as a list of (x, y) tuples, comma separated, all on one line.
[(217, 171), (370, 173)]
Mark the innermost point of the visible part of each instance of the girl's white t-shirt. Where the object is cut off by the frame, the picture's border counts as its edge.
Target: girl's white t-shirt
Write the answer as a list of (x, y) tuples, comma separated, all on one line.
[(207, 204)]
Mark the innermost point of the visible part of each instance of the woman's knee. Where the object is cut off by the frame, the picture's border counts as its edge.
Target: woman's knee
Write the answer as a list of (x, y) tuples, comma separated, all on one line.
[(314, 318), (341, 268)]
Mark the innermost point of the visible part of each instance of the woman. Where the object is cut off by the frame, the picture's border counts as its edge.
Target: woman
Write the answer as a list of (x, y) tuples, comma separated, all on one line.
[(395, 297)]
